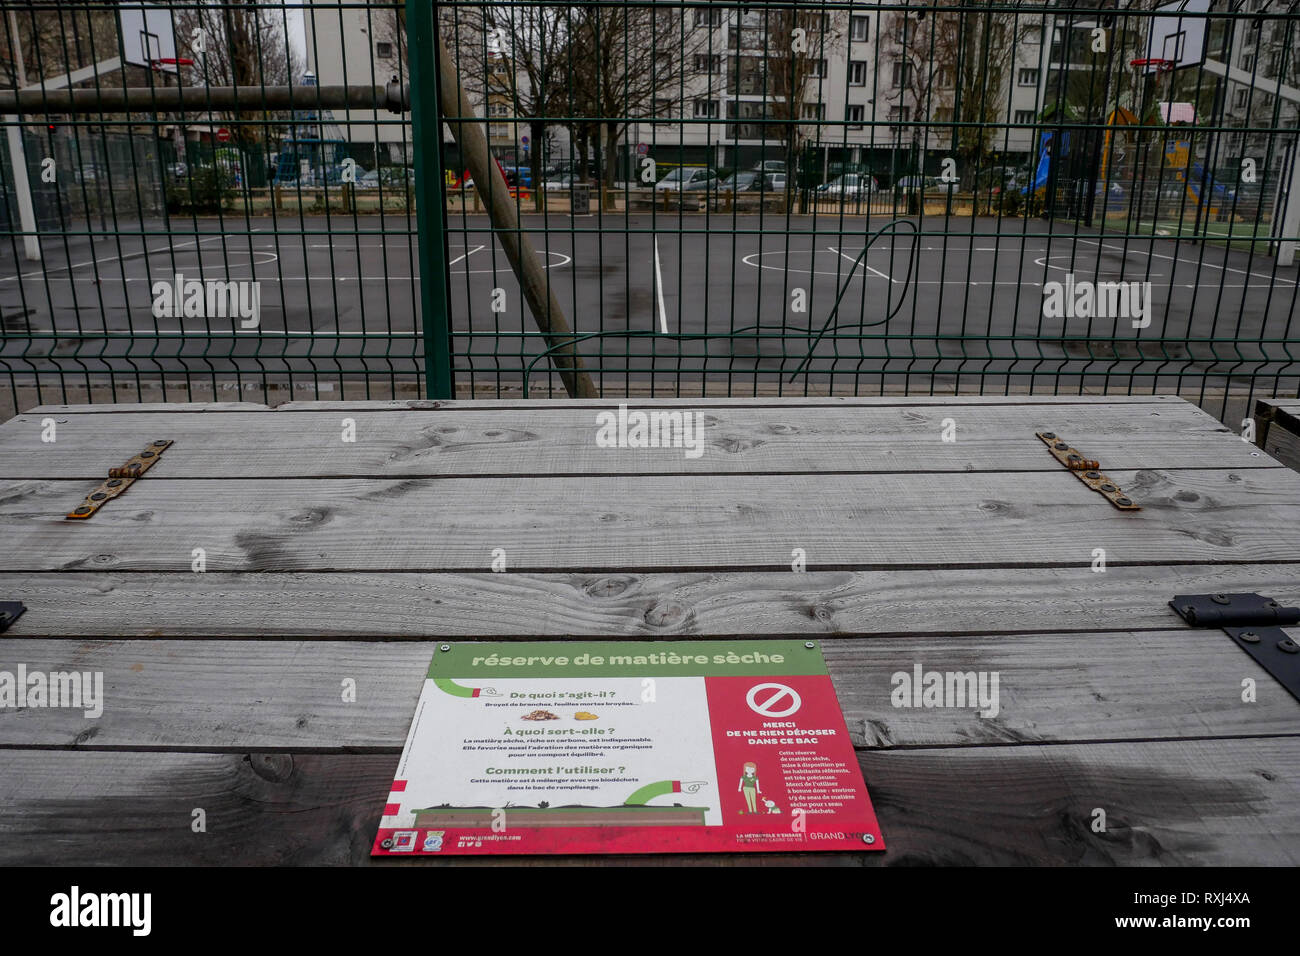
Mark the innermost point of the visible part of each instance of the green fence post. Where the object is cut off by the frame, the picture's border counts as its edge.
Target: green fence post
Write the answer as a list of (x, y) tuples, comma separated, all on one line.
[(435, 299)]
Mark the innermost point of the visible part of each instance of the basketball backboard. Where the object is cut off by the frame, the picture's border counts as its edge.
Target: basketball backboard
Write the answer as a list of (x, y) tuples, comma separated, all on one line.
[(148, 36), (1178, 38)]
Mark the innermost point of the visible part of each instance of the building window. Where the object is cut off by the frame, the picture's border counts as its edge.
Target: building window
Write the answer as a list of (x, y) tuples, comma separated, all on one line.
[(943, 77), (1027, 77), (664, 109), (857, 73), (901, 75), (900, 113), (706, 109), (817, 69), (1033, 34), (943, 114), (710, 18), (854, 115), (814, 111), (1240, 98), (1025, 117), (384, 51), (1248, 61), (704, 63), (859, 28)]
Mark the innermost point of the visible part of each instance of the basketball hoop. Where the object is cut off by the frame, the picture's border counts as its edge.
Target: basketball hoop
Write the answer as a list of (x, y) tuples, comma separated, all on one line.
[(1155, 64), (172, 61)]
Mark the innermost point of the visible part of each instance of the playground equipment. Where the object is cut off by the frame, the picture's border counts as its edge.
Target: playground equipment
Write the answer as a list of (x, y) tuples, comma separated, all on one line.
[(315, 148)]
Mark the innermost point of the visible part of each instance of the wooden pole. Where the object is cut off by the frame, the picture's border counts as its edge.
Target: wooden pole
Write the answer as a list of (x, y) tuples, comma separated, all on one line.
[(491, 186)]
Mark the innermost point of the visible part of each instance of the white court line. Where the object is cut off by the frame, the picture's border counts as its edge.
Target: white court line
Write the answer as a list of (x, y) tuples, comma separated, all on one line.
[(464, 255), (1082, 267), (864, 263), (1190, 262), (91, 262), (659, 283), (564, 261)]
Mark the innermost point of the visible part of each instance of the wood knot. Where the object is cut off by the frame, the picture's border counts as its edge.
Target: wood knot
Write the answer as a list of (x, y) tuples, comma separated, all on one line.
[(609, 587), (311, 516), (665, 614), (273, 768)]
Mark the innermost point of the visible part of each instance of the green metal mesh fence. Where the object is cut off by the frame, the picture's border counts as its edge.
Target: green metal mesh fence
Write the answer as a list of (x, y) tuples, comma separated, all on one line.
[(706, 198)]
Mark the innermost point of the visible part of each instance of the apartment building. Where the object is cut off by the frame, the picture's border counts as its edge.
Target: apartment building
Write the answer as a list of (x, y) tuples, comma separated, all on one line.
[(868, 87), (879, 88), (360, 45)]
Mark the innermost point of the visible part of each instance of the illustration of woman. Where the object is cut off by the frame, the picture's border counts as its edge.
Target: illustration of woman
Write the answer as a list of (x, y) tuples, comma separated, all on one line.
[(749, 785)]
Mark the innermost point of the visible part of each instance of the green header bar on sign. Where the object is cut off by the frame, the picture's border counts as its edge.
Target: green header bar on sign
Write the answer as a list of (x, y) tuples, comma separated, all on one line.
[(627, 659)]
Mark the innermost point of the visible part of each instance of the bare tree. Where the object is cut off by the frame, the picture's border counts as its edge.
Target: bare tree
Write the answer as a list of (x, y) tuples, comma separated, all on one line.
[(238, 44), (630, 63), (952, 67), (799, 42), (515, 55), (50, 42)]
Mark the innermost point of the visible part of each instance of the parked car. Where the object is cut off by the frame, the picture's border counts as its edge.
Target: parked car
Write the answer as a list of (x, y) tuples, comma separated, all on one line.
[(849, 184), (689, 179), (739, 182), (769, 166), (567, 168), (392, 178), (923, 183), (774, 182)]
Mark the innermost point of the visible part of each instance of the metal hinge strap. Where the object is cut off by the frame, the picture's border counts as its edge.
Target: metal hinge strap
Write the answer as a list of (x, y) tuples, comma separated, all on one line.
[(120, 479), (1087, 470), (10, 611), (1255, 625)]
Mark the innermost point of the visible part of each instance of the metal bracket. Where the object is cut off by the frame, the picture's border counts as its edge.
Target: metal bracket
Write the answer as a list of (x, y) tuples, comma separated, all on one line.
[(1255, 625), (120, 479), (10, 611), (1087, 471)]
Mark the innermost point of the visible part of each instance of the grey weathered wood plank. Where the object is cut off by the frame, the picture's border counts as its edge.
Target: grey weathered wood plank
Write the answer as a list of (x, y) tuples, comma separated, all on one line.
[(546, 441), (114, 408), (789, 401), (1221, 802), (287, 695), (1278, 429), (647, 523), (1283, 445), (413, 605)]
